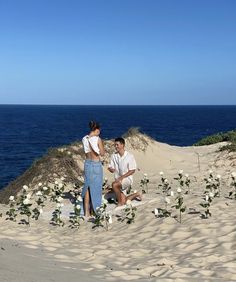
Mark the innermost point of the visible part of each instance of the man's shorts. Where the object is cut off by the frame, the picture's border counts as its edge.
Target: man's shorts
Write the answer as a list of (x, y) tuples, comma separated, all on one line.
[(126, 183)]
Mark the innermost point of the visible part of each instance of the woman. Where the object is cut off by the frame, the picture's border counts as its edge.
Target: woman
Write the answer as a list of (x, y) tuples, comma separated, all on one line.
[(93, 171)]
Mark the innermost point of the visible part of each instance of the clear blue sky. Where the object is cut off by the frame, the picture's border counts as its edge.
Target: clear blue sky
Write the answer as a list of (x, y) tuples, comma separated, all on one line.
[(118, 52)]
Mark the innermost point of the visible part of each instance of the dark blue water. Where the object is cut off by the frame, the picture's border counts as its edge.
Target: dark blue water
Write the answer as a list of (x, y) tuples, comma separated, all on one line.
[(26, 132)]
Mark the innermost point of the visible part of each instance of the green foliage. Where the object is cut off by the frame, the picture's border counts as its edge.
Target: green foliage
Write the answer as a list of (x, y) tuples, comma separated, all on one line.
[(128, 214), (229, 136), (102, 218), (144, 184)]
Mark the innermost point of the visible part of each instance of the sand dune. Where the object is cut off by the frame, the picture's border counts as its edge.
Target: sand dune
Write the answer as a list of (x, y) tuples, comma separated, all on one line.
[(151, 249)]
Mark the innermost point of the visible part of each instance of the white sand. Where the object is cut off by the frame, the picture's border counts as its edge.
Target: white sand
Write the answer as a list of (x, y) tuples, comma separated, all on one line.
[(151, 249)]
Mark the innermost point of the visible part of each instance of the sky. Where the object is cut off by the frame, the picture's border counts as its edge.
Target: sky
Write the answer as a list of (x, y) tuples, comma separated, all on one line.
[(118, 52)]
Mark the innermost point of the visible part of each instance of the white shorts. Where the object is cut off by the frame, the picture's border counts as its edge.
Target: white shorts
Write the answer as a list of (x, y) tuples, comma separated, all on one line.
[(126, 183)]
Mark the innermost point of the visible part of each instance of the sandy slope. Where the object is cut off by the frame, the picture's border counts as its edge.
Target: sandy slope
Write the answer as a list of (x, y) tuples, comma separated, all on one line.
[(150, 249)]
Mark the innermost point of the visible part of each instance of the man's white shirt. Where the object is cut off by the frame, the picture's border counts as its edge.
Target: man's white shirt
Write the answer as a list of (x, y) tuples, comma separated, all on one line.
[(122, 164)]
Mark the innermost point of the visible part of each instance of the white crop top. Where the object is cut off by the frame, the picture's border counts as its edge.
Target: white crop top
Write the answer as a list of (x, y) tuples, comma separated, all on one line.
[(90, 142)]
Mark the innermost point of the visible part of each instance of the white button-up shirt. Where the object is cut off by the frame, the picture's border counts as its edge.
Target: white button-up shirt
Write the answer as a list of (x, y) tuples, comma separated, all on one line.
[(122, 164)]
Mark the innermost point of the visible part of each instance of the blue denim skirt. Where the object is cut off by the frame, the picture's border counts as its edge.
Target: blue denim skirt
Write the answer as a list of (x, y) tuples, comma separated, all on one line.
[(93, 180)]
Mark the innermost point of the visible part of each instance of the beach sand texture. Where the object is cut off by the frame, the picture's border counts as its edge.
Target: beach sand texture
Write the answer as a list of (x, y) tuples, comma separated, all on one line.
[(150, 249)]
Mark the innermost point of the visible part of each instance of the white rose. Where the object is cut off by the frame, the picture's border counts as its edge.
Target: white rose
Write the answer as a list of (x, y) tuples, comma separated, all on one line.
[(25, 187), (145, 174), (78, 207), (179, 190), (80, 199), (59, 199), (60, 205), (60, 185), (166, 181), (172, 193), (207, 198), (161, 173), (56, 182), (186, 175), (209, 180), (218, 176), (69, 153), (105, 179), (28, 196), (104, 201), (156, 212), (110, 219), (210, 171), (181, 171), (62, 178), (39, 193), (135, 191), (40, 184), (26, 201), (211, 195), (11, 198), (167, 200), (45, 188), (233, 174), (40, 211)]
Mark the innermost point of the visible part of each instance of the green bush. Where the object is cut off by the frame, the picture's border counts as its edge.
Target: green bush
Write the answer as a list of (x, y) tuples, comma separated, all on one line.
[(229, 136)]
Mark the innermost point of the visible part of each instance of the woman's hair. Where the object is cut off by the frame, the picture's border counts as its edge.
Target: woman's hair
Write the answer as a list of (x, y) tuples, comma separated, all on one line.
[(93, 125)]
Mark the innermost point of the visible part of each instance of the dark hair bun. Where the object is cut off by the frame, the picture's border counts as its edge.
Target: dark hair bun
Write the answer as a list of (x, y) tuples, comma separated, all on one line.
[(93, 125)]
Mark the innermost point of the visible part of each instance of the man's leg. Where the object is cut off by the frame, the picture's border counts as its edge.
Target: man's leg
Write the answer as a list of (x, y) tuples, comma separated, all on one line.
[(116, 187), (137, 195)]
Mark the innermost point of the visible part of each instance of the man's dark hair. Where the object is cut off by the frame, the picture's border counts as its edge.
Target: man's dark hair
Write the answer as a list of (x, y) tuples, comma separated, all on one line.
[(120, 140)]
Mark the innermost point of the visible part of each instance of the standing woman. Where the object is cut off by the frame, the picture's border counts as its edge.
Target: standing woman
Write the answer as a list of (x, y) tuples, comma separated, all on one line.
[(93, 171)]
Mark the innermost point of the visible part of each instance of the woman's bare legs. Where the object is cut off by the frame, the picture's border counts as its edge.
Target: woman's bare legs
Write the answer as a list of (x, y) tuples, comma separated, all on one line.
[(87, 212)]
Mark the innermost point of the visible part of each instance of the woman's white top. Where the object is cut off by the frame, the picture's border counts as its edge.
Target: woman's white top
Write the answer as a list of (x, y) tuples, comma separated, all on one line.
[(91, 143)]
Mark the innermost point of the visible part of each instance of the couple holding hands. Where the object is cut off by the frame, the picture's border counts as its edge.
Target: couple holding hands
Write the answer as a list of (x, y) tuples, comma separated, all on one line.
[(122, 165)]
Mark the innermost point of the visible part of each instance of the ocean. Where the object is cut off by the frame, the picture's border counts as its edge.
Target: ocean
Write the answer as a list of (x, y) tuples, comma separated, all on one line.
[(28, 131)]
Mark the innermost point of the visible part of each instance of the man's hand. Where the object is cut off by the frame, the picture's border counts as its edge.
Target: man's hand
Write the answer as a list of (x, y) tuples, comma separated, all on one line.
[(112, 170)]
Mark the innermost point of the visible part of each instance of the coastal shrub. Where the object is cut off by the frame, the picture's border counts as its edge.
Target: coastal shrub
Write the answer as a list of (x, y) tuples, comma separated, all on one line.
[(229, 136)]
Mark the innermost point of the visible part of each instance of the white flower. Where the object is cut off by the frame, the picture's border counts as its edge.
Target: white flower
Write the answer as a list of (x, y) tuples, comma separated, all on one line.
[(128, 202), (80, 199), (207, 198), (233, 174), (40, 184), (60, 185), (166, 181), (172, 193), (59, 199), (105, 179), (135, 191), (145, 174), (78, 207), (60, 205), (28, 196), (161, 173), (40, 211), (209, 180), (186, 175), (218, 176), (110, 219), (45, 188), (56, 182), (210, 171), (179, 190), (181, 171), (62, 178), (104, 201), (167, 200), (25, 187), (39, 193), (26, 201), (156, 212), (69, 153), (211, 195), (11, 198)]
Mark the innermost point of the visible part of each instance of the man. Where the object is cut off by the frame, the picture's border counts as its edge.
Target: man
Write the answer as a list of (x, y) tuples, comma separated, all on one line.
[(123, 165)]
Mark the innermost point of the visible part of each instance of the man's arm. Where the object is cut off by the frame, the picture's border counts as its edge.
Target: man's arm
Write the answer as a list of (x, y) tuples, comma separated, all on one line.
[(130, 172)]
